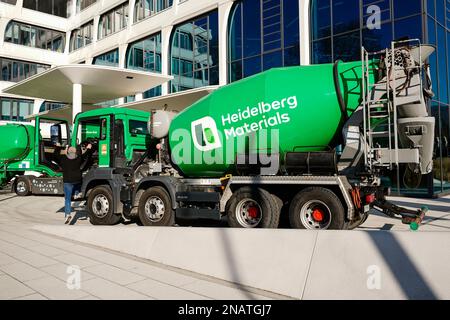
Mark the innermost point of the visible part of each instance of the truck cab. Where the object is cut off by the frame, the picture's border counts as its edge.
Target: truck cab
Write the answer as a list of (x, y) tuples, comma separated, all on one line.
[(119, 136), (120, 139)]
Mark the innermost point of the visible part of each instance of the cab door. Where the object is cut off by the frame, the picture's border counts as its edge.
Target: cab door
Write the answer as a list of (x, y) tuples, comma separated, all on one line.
[(104, 143)]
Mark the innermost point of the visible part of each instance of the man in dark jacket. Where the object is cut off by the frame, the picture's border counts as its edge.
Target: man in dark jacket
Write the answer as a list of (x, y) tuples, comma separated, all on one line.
[(71, 164)]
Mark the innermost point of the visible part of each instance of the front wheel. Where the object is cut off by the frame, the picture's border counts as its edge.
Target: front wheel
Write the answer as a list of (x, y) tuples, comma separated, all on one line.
[(317, 208), (253, 208), (101, 207), (22, 187), (155, 208)]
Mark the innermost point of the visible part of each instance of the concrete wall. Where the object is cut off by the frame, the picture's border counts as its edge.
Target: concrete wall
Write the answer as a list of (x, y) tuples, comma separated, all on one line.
[(294, 263)]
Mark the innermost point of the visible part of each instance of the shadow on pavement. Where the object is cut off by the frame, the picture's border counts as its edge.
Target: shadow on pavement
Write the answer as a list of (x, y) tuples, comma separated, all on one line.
[(402, 267), (232, 265), (79, 215)]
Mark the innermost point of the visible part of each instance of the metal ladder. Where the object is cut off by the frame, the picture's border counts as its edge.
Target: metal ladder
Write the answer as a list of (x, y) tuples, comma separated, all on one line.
[(380, 106)]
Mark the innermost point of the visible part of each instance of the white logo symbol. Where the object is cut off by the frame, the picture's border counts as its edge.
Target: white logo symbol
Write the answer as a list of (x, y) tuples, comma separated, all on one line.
[(205, 134)]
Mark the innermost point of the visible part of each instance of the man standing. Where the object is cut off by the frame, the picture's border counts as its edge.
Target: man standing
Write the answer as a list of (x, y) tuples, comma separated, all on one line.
[(71, 164)]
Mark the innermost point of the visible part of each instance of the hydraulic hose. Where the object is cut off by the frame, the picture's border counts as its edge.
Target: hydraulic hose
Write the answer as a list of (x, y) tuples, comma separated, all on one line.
[(337, 87)]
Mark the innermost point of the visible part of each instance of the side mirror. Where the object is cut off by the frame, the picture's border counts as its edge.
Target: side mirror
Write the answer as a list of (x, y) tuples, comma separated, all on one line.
[(56, 134)]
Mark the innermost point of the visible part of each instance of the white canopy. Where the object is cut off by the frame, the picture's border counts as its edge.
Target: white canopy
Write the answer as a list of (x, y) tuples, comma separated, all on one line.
[(99, 83), (171, 102)]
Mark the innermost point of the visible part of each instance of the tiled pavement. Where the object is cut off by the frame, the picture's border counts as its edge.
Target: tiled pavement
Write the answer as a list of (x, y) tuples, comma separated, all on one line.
[(38, 266)]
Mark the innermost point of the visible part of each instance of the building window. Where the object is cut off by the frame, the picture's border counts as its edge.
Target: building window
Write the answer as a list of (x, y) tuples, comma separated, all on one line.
[(54, 7), (194, 53), (113, 21), (83, 4), (340, 28), (146, 8), (262, 35), (13, 2), (110, 58), (15, 109), (145, 55), (82, 36), (16, 70), (36, 37), (50, 105)]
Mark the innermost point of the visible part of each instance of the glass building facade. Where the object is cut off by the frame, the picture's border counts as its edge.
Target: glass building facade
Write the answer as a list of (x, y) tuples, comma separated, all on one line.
[(33, 36), (340, 27), (18, 70), (110, 59), (15, 109), (13, 2), (145, 55), (262, 35), (146, 8), (83, 4), (54, 7), (81, 36), (194, 53), (113, 21)]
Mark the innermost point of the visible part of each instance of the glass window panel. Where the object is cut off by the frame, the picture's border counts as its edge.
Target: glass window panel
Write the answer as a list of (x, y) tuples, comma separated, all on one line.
[(6, 109), (408, 28), (442, 65), (321, 51), (345, 15), (273, 60), (45, 6), (440, 11), (347, 47), (252, 66), (378, 39), (291, 23), (252, 28), (191, 63), (248, 41), (431, 7), (321, 19), (407, 8)]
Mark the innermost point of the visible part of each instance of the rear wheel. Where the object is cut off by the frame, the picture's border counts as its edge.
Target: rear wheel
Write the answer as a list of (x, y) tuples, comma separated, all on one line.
[(155, 208), (101, 206), (22, 187), (317, 208), (253, 208)]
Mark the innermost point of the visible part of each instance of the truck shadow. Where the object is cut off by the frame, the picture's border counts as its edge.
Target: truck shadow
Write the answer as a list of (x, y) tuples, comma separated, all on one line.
[(409, 278)]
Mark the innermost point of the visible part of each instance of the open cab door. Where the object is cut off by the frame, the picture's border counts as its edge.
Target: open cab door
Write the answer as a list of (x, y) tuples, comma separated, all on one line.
[(51, 135)]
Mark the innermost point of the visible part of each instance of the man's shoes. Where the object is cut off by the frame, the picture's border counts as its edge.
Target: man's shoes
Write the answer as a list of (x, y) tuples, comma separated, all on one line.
[(77, 196), (68, 219)]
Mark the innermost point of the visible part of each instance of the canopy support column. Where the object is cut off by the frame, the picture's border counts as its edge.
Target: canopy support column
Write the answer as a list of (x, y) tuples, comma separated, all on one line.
[(77, 99)]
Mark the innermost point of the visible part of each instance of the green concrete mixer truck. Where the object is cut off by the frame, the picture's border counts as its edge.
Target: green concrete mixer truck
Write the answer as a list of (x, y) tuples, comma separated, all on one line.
[(25, 160), (310, 142)]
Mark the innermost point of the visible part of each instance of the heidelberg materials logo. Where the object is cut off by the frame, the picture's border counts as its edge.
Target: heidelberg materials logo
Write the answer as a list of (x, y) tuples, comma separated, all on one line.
[(205, 134)]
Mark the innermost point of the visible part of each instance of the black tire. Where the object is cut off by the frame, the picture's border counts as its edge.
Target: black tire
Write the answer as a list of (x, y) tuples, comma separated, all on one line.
[(267, 214), (22, 186), (155, 208), (101, 207), (330, 213)]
